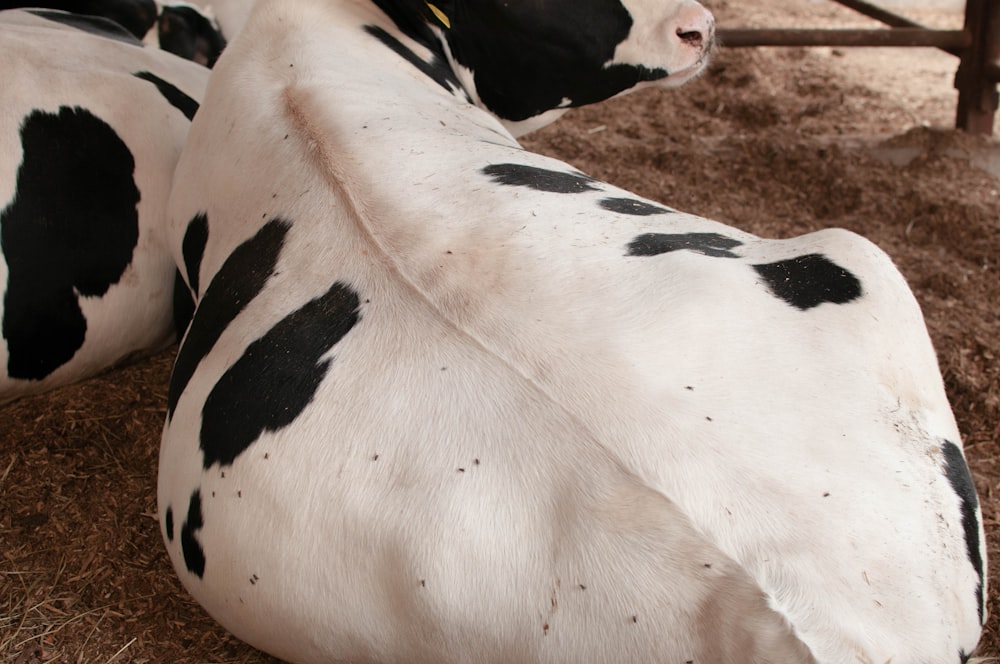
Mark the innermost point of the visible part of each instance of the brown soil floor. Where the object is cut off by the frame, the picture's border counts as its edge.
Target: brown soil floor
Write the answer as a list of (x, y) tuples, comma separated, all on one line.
[(774, 141)]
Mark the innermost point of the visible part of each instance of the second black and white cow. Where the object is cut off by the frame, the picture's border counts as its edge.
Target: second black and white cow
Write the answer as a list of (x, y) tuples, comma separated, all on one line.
[(177, 27), (446, 400), (91, 127), (183, 29)]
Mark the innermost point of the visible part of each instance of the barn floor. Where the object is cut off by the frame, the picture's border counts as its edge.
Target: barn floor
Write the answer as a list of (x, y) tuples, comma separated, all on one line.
[(777, 142)]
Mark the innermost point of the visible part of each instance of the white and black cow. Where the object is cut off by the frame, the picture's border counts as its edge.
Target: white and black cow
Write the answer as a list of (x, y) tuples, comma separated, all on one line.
[(91, 127), (178, 27), (446, 400), (183, 29)]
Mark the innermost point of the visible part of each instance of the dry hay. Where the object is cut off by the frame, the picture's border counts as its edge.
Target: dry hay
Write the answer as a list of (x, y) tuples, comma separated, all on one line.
[(777, 142)]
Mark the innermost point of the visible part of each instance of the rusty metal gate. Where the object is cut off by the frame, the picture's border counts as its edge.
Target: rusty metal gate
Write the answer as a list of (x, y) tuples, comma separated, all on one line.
[(977, 47)]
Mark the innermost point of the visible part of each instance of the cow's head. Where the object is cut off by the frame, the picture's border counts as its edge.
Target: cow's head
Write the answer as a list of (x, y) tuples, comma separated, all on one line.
[(528, 60), (185, 30)]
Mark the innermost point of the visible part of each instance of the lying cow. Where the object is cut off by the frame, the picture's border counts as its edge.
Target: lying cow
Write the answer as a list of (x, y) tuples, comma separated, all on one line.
[(178, 27), (446, 400), (91, 127)]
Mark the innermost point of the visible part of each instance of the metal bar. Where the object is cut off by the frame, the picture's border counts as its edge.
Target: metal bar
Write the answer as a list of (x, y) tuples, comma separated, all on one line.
[(978, 71), (879, 14), (946, 39), (977, 47), (992, 72)]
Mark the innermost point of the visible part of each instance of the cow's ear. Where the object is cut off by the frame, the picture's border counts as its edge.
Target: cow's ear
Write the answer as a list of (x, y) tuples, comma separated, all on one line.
[(441, 11)]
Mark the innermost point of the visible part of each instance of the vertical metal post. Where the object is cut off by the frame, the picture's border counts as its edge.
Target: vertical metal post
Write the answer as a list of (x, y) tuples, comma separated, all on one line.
[(976, 78)]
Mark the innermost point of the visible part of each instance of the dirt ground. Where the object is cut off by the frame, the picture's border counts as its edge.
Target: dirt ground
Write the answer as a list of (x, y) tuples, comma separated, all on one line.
[(774, 141)]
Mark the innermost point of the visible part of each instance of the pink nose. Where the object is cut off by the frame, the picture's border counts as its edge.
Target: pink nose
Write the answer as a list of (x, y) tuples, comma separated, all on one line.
[(695, 27)]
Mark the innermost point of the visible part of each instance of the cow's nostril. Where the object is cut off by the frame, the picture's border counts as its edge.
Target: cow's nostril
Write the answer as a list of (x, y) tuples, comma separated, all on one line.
[(694, 27), (691, 37)]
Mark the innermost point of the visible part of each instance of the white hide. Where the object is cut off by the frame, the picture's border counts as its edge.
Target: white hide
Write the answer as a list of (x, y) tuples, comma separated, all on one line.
[(231, 14), (532, 447), (48, 65)]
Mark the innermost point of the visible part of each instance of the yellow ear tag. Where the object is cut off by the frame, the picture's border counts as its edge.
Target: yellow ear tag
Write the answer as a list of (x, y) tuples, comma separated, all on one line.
[(439, 15)]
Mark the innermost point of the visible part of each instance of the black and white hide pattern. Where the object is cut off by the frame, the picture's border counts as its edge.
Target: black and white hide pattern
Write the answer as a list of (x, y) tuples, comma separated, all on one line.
[(180, 28), (185, 30), (446, 400), (91, 128)]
